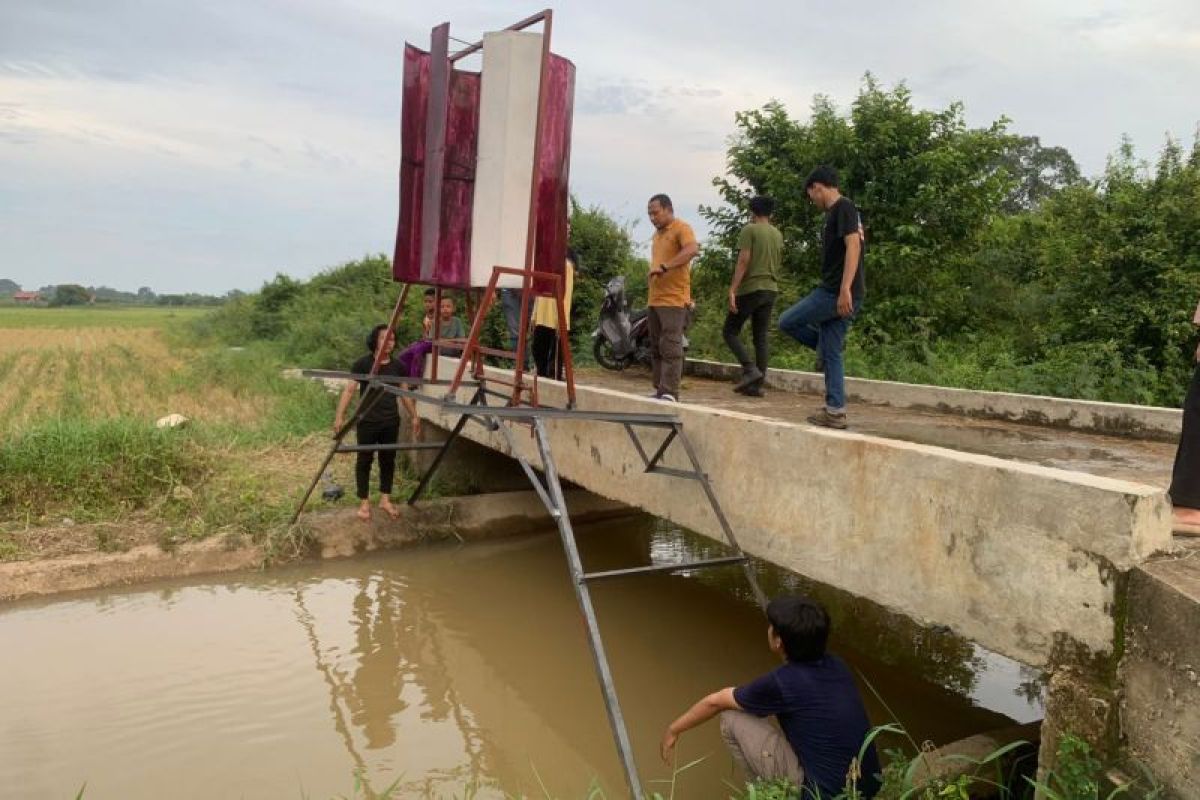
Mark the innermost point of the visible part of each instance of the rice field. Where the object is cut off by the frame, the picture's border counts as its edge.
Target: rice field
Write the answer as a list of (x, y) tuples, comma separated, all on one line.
[(96, 364), (73, 318), (80, 390)]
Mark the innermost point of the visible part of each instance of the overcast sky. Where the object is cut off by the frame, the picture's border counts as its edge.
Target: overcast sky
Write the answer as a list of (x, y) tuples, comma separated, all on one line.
[(205, 146)]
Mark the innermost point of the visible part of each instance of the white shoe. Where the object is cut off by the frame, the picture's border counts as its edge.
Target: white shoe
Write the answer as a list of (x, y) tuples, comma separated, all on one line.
[(668, 397)]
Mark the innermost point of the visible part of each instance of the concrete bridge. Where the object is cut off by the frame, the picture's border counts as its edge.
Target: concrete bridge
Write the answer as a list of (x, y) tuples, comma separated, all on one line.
[(1037, 527)]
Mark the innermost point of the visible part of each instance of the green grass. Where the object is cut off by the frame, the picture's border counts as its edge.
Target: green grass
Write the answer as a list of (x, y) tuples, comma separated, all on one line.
[(86, 447), (104, 315), (92, 468)]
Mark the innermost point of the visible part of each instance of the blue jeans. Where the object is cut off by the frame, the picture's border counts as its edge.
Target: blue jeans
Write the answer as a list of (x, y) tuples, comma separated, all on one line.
[(814, 322)]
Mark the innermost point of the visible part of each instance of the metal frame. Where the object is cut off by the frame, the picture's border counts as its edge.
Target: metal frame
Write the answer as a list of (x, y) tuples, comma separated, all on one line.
[(548, 487), (471, 350), (518, 408)]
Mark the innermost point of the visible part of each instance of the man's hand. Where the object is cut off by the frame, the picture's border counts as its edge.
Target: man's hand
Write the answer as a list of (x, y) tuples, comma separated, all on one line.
[(667, 748), (845, 305), (732, 302), (658, 269)]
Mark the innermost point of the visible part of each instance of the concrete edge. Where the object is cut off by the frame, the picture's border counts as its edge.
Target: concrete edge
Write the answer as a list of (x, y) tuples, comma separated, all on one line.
[(1150, 529), (1122, 419), (337, 535), (962, 456)]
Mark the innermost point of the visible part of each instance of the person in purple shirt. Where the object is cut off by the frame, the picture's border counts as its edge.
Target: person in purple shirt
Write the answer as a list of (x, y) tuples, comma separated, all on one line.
[(822, 721)]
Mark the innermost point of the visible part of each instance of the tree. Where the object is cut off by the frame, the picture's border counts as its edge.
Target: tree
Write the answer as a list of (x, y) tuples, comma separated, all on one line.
[(604, 248), (1121, 256), (267, 320), (1040, 172), (925, 183), (70, 294)]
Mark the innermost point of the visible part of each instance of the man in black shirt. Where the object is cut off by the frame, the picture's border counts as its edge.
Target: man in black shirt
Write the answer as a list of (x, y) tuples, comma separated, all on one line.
[(821, 319), (822, 722)]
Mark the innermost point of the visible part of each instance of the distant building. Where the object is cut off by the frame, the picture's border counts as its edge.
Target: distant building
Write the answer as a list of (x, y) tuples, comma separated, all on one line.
[(27, 297)]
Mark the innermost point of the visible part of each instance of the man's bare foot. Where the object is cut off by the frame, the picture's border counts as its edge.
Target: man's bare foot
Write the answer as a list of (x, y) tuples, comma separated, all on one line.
[(364, 511), (1186, 520), (385, 504)]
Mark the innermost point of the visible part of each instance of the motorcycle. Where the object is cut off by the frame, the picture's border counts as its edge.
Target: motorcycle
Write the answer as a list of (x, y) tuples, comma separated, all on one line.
[(622, 338)]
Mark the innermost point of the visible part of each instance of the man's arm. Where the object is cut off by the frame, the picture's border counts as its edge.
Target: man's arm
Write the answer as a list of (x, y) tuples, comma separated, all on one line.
[(739, 272), (339, 418), (687, 251), (1196, 321), (705, 709), (845, 303)]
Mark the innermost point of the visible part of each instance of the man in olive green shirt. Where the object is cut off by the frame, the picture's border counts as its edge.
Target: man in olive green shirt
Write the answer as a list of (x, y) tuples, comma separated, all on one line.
[(752, 293)]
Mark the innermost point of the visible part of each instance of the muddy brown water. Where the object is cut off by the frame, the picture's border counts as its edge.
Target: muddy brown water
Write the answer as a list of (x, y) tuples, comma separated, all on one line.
[(443, 668)]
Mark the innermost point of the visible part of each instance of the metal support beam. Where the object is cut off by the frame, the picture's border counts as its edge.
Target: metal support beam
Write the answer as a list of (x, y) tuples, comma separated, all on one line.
[(616, 719), (662, 448), (759, 595), (702, 564), (374, 448)]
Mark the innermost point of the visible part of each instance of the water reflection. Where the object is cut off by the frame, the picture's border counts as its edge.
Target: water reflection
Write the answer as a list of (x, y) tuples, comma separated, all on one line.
[(396, 644), (441, 667), (868, 632)]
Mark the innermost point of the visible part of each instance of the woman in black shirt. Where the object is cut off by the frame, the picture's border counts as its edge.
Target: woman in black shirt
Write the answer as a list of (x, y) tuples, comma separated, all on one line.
[(378, 424)]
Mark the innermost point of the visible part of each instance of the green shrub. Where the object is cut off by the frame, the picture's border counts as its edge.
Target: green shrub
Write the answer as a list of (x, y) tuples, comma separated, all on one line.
[(93, 467)]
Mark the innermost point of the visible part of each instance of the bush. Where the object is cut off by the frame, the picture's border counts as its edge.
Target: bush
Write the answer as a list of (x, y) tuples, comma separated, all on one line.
[(98, 466)]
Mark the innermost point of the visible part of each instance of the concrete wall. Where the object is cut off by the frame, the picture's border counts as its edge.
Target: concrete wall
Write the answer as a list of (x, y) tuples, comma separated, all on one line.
[(1142, 421), (1160, 674), (1023, 559)]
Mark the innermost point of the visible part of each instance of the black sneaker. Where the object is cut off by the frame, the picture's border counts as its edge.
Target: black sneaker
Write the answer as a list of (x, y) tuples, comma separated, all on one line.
[(754, 391), (750, 376)]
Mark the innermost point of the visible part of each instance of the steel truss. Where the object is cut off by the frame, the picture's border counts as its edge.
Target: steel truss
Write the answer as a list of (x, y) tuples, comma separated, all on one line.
[(548, 485)]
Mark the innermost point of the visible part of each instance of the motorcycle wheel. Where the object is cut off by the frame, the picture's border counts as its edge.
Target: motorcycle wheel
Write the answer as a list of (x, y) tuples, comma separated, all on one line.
[(603, 352)]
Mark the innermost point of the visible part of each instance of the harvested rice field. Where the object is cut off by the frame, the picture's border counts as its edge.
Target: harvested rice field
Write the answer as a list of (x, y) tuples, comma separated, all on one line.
[(104, 363)]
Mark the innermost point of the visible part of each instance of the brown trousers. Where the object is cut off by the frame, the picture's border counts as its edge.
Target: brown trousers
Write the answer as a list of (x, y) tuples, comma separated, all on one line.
[(666, 325), (759, 748)]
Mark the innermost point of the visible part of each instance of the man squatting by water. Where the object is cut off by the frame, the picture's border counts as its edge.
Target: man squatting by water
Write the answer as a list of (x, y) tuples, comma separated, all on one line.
[(822, 721), (670, 294), (821, 320)]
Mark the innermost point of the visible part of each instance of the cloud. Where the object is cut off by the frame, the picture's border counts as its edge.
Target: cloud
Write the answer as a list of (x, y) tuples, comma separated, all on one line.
[(205, 146)]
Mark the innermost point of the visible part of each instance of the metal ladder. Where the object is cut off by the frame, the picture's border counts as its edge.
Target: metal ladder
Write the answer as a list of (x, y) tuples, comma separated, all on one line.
[(549, 489)]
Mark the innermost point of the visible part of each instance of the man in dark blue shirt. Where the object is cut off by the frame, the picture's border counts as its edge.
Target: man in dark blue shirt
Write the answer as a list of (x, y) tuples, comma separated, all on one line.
[(815, 700)]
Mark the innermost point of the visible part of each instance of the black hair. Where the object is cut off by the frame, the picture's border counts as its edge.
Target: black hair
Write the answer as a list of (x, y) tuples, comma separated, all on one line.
[(802, 624), (762, 206), (663, 201), (824, 175), (430, 292), (373, 337)]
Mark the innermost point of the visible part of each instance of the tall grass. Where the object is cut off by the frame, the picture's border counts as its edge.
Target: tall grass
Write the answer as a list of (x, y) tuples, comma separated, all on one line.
[(94, 468)]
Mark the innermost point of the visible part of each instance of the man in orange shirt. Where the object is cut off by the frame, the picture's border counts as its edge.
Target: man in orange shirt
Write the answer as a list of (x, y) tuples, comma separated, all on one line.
[(671, 253)]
